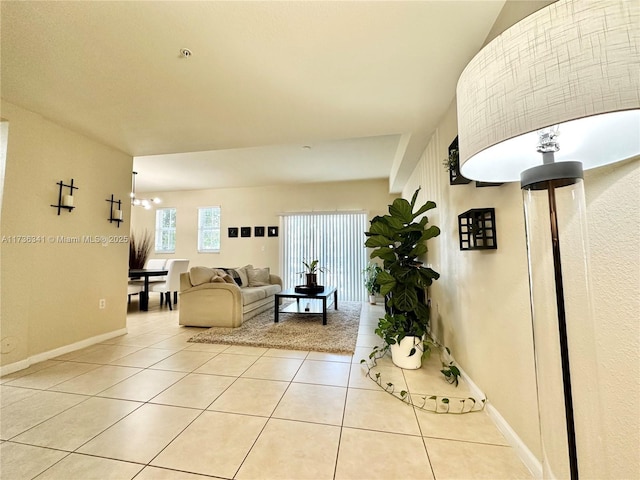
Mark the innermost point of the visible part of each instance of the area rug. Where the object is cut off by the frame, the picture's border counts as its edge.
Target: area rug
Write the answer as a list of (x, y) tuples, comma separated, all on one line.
[(294, 331)]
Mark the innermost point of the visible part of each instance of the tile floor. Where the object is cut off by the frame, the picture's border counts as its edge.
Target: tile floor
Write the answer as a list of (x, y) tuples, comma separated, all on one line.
[(150, 405)]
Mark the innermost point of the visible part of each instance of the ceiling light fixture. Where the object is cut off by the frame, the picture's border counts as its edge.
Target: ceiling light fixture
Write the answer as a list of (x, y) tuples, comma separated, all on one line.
[(141, 202), (555, 94)]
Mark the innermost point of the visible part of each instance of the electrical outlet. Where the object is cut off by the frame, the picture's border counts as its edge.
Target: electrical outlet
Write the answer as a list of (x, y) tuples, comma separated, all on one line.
[(8, 344), (102, 304)]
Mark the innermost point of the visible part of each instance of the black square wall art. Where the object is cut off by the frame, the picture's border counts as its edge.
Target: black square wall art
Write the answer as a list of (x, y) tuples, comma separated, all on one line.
[(245, 231), (258, 231), (233, 232), (272, 231)]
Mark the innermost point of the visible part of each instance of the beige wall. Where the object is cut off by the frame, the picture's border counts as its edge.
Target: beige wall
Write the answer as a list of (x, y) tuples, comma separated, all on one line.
[(481, 302), (259, 206), (51, 290), (480, 305), (613, 213)]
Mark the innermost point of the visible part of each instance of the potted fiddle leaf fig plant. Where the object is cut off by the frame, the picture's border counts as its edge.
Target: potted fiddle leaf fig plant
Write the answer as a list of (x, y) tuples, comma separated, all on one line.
[(370, 277), (398, 239)]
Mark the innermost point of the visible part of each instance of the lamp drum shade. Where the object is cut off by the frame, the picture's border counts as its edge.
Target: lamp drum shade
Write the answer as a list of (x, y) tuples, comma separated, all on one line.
[(573, 63)]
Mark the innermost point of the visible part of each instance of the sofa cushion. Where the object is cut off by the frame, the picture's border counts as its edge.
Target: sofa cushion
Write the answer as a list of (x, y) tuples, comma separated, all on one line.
[(200, 275), (222, 276), (272, 289), (258, 277), (235, 275), (242, 272), (253, 294)]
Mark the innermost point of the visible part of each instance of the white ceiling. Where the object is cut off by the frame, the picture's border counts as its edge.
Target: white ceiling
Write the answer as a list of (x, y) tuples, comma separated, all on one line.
[(363, 83)]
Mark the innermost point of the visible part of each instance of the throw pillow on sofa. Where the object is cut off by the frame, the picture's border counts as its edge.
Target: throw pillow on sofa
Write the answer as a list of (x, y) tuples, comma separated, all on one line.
[(200, 275), (235, 275), (222, 276), (258, 277), (242, 272)]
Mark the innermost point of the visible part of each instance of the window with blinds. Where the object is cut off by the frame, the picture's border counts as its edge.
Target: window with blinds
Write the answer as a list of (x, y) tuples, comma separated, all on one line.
[(336, 240)]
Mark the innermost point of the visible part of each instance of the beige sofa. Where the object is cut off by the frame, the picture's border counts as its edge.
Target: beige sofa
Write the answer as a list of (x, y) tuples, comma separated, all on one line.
[(225, 297)]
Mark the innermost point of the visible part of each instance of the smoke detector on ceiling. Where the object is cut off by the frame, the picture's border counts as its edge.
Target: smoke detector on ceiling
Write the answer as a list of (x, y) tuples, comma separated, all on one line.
[(185, 53)]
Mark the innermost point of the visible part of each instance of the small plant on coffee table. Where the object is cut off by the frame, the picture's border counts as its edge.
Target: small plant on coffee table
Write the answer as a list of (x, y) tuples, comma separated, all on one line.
[(311, 269)]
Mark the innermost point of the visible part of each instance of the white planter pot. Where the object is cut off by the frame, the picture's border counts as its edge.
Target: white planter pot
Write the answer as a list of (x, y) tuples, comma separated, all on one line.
[(400, 353), (372, 299)]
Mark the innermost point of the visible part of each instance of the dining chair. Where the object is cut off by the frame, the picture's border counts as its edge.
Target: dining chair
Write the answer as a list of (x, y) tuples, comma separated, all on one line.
[(133, 289), (153, 264), (174, 268), (156, 264)]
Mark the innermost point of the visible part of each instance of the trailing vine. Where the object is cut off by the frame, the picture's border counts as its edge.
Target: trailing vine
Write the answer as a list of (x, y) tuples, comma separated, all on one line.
[(450, 371), (431, 403)]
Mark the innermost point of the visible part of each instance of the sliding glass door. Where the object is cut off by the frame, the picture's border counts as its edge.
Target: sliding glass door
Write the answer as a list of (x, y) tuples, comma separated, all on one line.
[(336, 240)]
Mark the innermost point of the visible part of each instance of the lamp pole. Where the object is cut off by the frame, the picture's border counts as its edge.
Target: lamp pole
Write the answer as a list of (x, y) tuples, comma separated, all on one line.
[(548, 177)]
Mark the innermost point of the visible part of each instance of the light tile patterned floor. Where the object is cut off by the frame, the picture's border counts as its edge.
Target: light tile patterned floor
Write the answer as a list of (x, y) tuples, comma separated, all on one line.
[(151, 406)]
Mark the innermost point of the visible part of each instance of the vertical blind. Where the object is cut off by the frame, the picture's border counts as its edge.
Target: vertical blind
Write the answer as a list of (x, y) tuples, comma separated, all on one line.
[(336, 240)]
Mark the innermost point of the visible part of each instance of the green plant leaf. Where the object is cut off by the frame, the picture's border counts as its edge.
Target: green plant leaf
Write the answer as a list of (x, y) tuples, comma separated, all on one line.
[(394, 222), (385, 253), (401, 209), (385, 289), (405, 297), (415, 197), (445, 400), (420, 249), (378, 241), (427, 275), (430, 232), (427, 206), (422, 312), (382, 228), (426, 352), (386, 282)]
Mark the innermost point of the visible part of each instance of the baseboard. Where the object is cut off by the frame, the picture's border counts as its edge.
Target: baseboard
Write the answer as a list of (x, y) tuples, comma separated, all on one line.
[(473, 388), (14, 367), (41, 357), (526, 456)]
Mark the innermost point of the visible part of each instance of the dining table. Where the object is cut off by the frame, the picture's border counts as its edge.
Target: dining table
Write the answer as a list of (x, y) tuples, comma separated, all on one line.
[(137, 273)]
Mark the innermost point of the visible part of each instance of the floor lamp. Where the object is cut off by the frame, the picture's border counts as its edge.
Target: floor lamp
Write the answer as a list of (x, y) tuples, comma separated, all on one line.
[(557, 93)]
